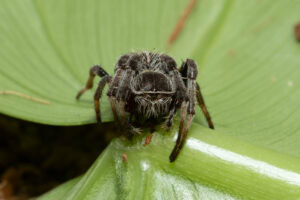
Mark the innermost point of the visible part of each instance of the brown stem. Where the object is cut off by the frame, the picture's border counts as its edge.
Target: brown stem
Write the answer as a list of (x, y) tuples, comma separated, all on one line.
[(10, 92), (180, 24)]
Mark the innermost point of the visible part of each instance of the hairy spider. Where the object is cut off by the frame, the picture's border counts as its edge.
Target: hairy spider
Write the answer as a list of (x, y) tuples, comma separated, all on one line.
[(150, 87)]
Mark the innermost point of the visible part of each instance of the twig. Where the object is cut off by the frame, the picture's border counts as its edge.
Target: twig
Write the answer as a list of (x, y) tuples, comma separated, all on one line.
[(10, 92), (297, 31), (181, 22)]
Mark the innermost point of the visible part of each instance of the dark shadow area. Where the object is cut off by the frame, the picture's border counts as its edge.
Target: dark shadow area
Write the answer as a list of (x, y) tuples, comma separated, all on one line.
[(34, 158)]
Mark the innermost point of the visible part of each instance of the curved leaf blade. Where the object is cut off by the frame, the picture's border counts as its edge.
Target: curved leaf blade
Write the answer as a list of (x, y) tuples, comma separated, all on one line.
[(209, 167)]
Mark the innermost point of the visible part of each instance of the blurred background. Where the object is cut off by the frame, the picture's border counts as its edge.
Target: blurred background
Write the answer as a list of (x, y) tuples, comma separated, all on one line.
[(34, 158)]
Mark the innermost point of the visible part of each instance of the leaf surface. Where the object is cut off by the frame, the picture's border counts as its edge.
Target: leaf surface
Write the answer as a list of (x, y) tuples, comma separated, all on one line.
[(248, 61)]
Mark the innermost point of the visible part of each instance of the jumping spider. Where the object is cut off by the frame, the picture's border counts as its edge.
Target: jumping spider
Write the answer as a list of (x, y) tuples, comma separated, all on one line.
[(150, 87)]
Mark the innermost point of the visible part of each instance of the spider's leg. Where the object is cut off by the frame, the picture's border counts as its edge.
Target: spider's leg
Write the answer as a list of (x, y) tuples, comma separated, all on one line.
[(182, 99), (98, 94), (112, 91), (116, 83), (191, 84), (113, 107), (131, 129), (189, 72), (121, 105), (95, 70), (119, 92), (203, 106), (180, 137), (123, 93), (170, 118), (180, 143)]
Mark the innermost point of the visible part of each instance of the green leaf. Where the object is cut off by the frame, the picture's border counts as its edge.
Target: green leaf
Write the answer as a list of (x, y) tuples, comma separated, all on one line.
[(248, 64), (211, 166)]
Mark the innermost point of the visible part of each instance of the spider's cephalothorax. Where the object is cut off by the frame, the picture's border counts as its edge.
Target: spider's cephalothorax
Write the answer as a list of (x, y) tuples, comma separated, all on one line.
[(149, 86)]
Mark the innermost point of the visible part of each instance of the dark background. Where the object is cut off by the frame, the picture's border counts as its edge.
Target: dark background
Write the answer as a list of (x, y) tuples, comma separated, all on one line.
[(34, 157)]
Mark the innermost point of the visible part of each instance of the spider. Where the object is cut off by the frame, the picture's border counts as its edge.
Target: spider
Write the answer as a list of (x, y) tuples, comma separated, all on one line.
[(149, 87)]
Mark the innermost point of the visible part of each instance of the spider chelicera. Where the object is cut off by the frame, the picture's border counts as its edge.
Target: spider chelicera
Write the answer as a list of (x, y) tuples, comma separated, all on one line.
[(149, 87)]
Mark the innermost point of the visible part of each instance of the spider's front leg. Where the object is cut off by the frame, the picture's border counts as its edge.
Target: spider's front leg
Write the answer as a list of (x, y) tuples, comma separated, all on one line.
[(181, 99), (120, 93), (117, 80), (99, 71), (189, 73)]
